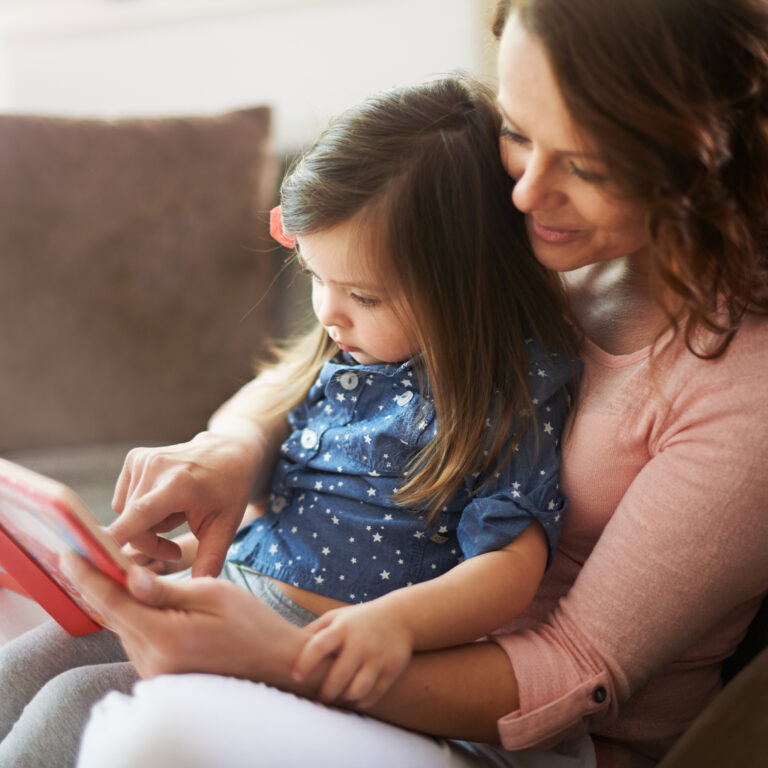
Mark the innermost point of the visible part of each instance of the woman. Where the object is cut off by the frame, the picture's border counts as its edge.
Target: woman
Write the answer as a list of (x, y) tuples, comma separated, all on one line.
[(632, 131)]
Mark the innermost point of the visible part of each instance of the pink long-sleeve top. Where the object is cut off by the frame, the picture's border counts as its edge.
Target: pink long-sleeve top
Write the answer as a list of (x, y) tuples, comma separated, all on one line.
[(664, 555)]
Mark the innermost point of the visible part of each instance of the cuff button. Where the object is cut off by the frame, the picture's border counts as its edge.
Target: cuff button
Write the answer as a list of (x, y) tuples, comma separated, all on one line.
[(599, 695)]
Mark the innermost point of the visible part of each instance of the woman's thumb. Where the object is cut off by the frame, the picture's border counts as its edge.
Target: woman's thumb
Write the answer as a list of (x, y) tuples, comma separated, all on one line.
[(147, 588)]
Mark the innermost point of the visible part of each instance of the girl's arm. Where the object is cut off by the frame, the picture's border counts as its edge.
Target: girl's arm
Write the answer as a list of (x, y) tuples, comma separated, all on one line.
[(373, 642)]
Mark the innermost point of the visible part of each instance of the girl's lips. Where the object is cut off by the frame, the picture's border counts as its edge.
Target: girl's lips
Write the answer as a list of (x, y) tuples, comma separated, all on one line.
[(551, 235), (346, 347)]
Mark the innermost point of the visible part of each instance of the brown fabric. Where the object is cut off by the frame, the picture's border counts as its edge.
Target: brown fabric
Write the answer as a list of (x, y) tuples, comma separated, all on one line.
[(732, 732), (135, 261)]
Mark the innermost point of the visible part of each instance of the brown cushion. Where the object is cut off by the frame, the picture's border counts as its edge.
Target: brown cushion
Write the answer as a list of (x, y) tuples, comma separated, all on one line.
[(135, 263)]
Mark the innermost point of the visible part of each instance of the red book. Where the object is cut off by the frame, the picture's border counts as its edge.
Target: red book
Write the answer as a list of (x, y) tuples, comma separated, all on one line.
[(40, 519)]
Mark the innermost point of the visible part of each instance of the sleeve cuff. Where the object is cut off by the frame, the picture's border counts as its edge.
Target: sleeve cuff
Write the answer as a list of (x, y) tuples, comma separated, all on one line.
[(557, 700)]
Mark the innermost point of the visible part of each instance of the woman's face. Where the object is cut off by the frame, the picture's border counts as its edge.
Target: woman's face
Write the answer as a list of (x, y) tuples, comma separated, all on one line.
[(560, 181)]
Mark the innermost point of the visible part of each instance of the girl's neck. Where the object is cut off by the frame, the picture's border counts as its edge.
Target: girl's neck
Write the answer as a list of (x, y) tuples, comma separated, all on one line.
[(615, 306)]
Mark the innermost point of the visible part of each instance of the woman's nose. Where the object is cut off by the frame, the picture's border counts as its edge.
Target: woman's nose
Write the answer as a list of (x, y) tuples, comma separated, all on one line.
[(535, 187)]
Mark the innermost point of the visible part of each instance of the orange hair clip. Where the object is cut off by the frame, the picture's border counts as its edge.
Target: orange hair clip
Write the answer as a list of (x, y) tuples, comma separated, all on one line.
[(276, 228)]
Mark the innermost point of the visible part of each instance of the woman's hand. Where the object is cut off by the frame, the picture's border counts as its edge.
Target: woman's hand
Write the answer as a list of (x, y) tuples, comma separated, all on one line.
[(205, 482), (371, 649), (187, 544), (197, 625)]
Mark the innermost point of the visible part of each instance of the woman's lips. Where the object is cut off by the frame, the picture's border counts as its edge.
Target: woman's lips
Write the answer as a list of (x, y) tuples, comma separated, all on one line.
[(552, 235)]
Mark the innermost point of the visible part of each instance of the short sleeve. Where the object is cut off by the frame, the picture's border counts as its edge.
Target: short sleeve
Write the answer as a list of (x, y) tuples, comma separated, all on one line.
[(528, 487)]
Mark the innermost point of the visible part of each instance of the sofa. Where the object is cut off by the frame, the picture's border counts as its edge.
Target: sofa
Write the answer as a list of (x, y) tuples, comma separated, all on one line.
[(139, 285)]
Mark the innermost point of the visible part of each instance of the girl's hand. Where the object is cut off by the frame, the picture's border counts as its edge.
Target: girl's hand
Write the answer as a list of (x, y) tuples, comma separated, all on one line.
[(372, 648), (205, 482)]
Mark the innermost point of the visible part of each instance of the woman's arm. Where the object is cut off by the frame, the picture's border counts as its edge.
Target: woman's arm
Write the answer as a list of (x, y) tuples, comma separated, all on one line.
[(673, 460), (207, 625), (206, 482)]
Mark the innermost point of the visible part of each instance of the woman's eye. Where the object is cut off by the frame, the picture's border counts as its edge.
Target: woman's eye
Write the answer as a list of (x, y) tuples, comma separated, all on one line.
[(364, 301), (589, 176), (508, 133)]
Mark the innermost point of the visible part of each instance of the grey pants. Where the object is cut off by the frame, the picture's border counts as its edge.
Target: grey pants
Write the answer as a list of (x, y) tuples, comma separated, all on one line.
[(49, 681)]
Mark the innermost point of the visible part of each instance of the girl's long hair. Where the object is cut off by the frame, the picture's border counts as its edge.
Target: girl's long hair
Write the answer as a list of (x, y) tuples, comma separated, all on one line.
[(674, 93), (419, 168)]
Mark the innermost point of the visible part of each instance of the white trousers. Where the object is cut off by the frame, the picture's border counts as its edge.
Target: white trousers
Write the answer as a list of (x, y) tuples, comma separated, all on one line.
[(199, 721)]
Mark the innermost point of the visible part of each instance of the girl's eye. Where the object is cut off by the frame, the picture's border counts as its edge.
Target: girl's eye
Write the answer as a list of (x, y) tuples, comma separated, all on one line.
[(589, 176), (364, 301), (508, 133), (304, 270)]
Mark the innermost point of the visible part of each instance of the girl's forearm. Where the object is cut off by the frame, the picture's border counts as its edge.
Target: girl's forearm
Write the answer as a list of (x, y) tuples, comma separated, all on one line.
[(474, 598)]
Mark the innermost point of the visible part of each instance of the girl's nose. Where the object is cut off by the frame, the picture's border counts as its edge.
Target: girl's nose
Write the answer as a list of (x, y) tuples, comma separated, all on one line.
[(328, 309)]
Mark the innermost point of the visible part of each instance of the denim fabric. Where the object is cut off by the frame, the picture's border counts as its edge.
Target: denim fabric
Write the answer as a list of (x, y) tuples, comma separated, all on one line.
[(331, 525)]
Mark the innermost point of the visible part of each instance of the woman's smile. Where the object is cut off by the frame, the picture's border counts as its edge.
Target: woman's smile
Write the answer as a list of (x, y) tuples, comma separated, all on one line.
[(551, 235)]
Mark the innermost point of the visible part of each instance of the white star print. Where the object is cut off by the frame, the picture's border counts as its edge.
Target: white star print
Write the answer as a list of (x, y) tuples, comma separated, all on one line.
[(340, 397), (377, 537), (384, 575), (548, 428), (371, 491)]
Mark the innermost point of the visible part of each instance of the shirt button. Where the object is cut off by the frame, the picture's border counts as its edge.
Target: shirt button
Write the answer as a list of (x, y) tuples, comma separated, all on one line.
[(308, 438), (405, 398), (348, 380), (599, 695)]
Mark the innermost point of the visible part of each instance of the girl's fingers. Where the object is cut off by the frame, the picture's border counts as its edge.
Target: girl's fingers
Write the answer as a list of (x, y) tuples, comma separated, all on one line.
[(363, 683), (339, 676), (324, 643)]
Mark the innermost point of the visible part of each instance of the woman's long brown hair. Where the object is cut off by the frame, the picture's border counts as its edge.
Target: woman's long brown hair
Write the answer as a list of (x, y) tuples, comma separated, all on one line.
[(674, 93), (419, 168)]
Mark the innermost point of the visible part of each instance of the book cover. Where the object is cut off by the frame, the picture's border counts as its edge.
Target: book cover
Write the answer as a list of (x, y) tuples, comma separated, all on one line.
[(40, 519)]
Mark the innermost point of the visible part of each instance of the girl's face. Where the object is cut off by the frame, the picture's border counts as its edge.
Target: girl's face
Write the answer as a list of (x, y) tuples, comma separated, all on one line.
[(364, 315), (560, 181)]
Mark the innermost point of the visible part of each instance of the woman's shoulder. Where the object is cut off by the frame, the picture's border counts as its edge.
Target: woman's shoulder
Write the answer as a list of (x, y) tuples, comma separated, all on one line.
[(746, 354), (726, 389)]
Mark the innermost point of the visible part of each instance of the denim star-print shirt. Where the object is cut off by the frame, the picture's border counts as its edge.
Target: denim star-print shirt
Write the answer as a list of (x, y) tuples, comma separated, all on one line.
[(331, 526)]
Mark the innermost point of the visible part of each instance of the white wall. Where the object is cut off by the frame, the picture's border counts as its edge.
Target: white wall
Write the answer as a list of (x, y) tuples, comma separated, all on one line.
[(307, 59)]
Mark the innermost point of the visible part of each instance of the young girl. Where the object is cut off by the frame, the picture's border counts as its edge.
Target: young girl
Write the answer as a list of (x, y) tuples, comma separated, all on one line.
[(420, 476), (393, 490)]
